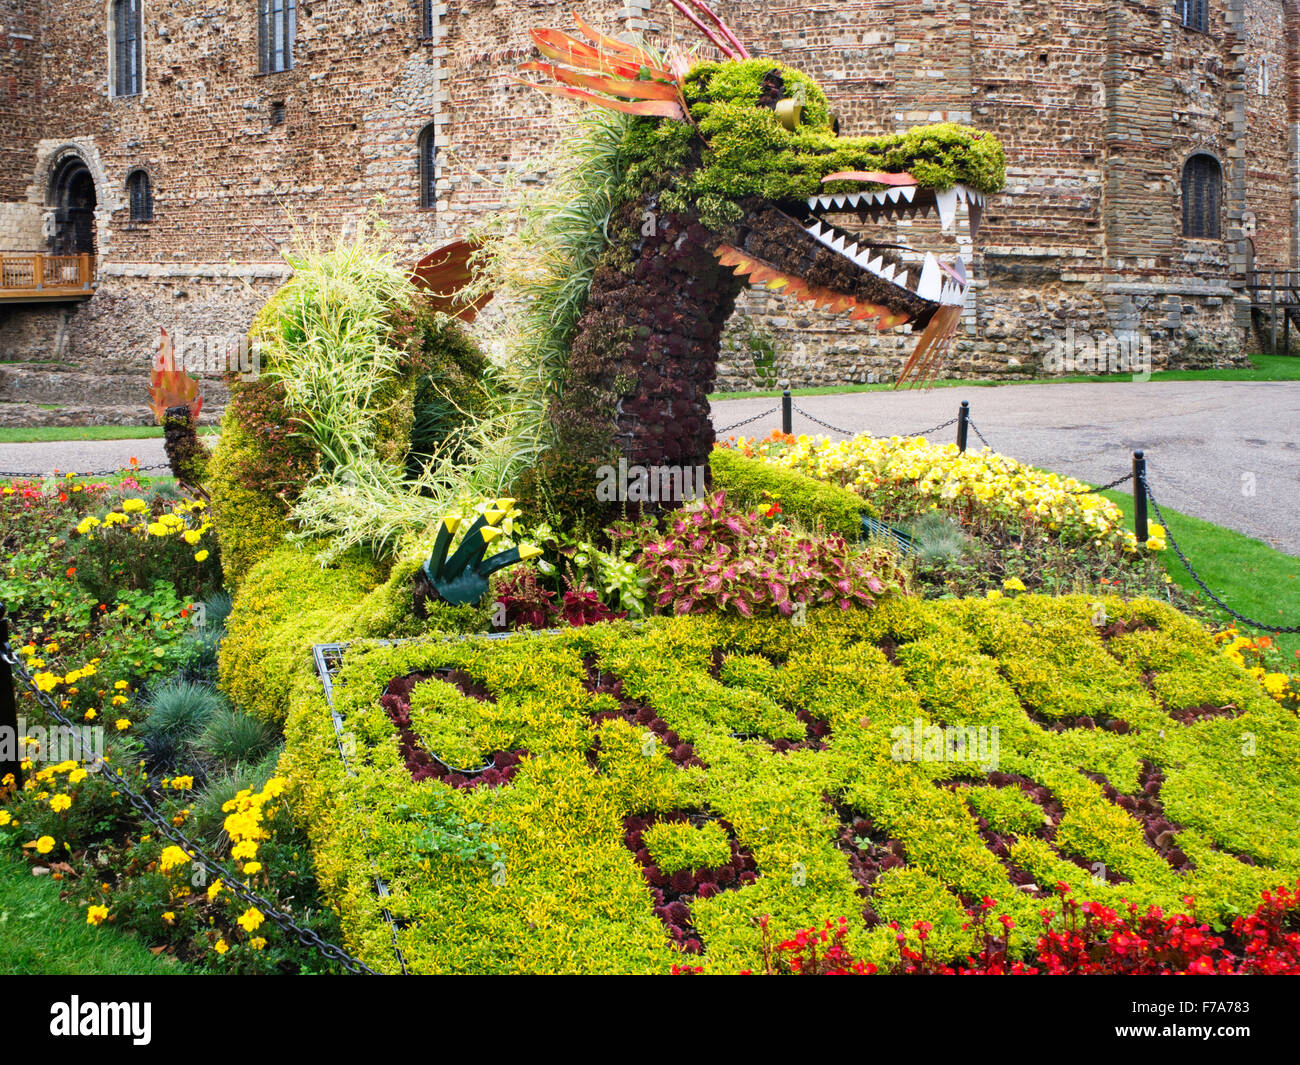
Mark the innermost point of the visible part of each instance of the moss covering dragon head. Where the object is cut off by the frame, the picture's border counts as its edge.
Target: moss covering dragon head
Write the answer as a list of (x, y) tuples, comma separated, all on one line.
[(752, 146), (732, 172)]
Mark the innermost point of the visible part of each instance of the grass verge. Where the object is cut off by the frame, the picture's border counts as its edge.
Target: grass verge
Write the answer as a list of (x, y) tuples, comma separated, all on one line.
[(40, 935), (41, 434), (1247, 574)]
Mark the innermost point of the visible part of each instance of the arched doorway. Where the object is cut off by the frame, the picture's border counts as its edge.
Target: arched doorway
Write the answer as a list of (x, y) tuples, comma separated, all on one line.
[(72, 194)]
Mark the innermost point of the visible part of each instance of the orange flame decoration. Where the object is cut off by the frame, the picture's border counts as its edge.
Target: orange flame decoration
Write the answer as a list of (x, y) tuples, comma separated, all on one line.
[(614, 74), (170, 387)]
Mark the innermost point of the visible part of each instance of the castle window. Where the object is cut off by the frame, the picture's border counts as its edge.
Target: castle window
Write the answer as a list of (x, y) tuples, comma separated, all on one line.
[(140, 196), (428, 168), (277, 27), (1195, 14), (128, 48), (427, 18), (1202, 194)]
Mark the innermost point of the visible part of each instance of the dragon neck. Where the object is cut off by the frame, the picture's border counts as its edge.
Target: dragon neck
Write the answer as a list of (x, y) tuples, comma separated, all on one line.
[(643, 358)]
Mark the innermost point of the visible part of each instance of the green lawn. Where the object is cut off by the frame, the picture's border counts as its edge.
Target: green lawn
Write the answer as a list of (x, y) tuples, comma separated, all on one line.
[(1251, 577), (1263, 368), (39, 434), (41, 935)]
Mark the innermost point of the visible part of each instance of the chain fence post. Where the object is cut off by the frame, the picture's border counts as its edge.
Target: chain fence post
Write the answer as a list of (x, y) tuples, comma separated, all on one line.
[(1140, 496), (787, 413), (8, 711), (963, 423)]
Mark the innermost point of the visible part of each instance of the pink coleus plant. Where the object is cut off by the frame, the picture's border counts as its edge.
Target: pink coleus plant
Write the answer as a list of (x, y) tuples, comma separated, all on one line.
[(716, 559)]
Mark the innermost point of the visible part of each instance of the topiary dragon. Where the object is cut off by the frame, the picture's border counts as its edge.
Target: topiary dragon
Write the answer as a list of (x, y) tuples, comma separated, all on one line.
[(736, 174)]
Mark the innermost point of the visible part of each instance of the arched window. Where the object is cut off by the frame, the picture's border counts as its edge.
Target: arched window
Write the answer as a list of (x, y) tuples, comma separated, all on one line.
[(428, 168), (1202, 194), (277, 27), (140, 196), (128, 48)]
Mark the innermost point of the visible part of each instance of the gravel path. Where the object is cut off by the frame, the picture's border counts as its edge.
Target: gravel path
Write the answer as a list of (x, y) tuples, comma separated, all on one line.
[(1208, 443)]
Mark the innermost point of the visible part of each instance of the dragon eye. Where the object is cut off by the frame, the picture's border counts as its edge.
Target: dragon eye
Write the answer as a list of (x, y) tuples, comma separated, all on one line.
[(788, 112), (835, 123)]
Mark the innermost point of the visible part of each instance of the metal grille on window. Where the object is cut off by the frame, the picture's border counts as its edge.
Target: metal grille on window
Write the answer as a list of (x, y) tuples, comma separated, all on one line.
[(1202, 187), (428, 168), (141, 196), (277, 28), (1195, 14), (128, 46)]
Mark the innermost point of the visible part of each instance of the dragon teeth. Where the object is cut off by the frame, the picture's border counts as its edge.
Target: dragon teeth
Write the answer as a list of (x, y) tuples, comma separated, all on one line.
[(875, 264), (931, 285), (908, 192), (887, 272), (946, 201), (894, 194)]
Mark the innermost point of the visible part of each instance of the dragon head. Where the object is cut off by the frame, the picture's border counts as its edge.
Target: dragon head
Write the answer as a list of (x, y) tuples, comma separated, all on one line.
[(753, 148)]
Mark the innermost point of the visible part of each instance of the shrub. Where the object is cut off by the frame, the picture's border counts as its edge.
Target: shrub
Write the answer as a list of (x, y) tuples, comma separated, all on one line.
[(676, 715), (138, 543), (752, 484)]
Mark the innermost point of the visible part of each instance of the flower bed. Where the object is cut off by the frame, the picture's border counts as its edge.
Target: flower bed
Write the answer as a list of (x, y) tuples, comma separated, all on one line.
[(817, 753), (908, 475)]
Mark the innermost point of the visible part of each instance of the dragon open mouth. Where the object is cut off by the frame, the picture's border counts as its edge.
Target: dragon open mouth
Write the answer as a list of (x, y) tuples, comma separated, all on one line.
[(931, 280)]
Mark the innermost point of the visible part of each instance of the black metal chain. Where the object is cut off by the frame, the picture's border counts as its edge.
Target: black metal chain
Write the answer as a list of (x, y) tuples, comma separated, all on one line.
[(90, 473), (306, 936), (1101, 488), (1266, 626), (756, 417), (932, 429), (824, 425)]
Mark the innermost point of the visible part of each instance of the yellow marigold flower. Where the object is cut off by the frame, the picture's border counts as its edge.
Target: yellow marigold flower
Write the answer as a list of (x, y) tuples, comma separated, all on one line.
[(214, 890), (44, 845), (5, 817), (252, 868), (133, 506), (46, 682), (257, 943), (251, 919), (182, 783), (1276, 683), (191, 537), (172, 857), (121, 685), (122, 724), (169, 917), (1014, 584), (90, 715), (201, 556), (60, 803), (221, 946), (120, 700), (77, 775), (96, 914)]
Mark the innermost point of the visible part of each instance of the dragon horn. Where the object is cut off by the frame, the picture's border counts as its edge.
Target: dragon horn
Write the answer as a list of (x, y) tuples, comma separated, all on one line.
[(469, 544), (509, 558)]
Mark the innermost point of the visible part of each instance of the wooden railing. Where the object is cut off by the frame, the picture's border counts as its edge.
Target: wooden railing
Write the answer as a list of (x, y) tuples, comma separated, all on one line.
[(38, 276), (1275, 305)]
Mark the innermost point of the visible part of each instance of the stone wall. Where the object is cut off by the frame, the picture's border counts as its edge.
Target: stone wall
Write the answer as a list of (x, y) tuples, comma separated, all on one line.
[(1099, 102)]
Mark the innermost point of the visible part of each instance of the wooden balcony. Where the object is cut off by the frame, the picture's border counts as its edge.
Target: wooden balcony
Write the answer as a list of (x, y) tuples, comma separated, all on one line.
[(34, 277)]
